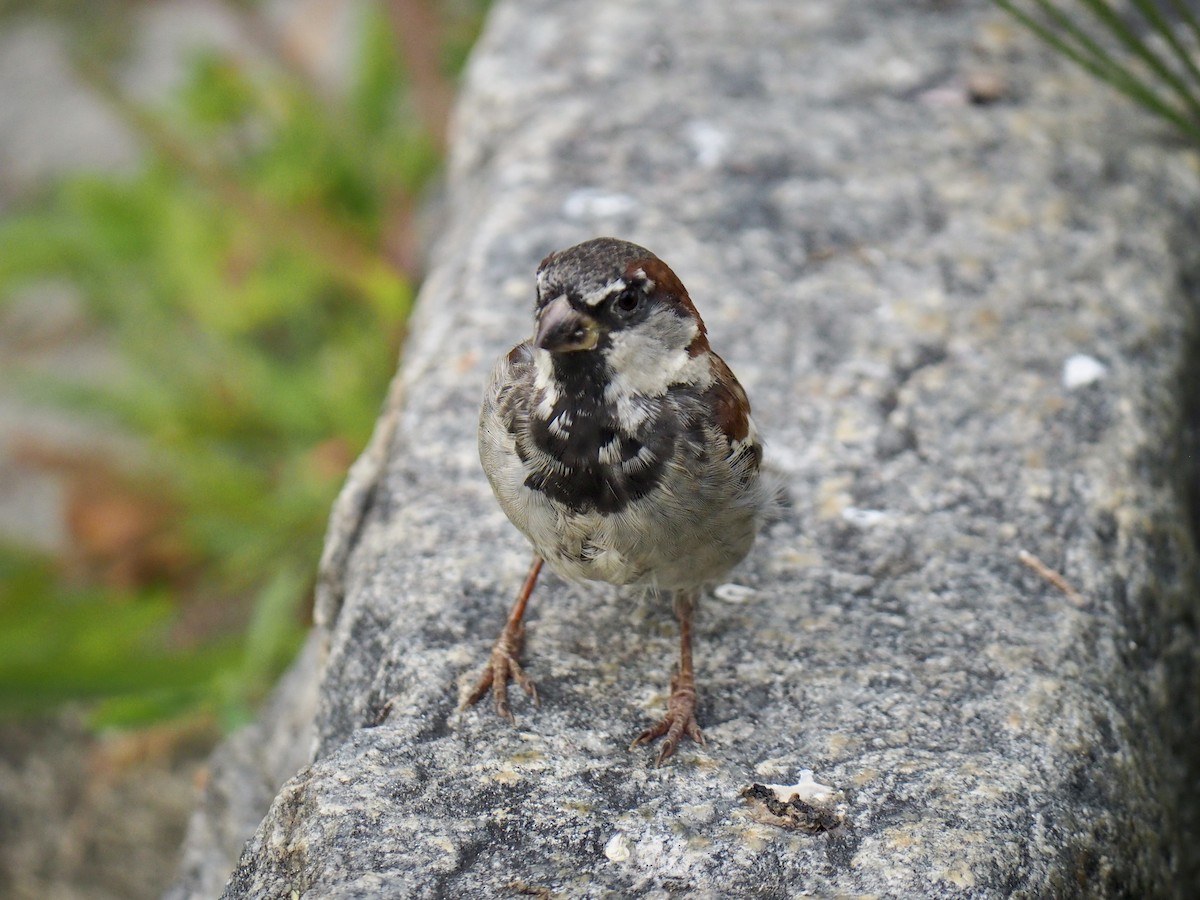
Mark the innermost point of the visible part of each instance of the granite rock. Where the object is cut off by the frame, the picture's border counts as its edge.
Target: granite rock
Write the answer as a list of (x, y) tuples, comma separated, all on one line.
[(974, 616)]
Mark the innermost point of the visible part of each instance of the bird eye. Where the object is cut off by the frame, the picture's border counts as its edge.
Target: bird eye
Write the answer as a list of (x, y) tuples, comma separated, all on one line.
[(628, 300)]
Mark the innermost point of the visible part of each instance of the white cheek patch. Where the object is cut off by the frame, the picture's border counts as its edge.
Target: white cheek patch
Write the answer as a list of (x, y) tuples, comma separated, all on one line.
[(651, 357), (598, 296)]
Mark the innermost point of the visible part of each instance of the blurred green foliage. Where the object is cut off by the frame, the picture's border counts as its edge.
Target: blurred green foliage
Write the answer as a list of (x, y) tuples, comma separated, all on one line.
[(248, 278), (1149, 50)]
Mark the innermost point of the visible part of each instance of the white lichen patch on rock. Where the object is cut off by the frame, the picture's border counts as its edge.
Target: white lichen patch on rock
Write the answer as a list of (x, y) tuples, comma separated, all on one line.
[(806, 805), (617, 849), (1081, 370)]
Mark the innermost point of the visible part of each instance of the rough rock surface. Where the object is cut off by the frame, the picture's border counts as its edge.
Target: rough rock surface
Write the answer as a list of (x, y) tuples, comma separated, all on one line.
[(899, 277)]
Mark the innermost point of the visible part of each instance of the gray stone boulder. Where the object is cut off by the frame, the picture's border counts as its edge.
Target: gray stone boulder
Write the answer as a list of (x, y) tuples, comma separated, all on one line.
[(969, 333)]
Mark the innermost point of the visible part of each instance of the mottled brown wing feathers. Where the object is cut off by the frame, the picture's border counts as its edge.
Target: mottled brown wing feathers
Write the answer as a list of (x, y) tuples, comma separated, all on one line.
[(731, 407), (513, 383), (730, 402)]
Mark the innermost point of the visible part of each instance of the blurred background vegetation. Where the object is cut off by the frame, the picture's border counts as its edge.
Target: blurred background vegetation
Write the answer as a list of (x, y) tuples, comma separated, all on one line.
[(210, 238), (253, 276)]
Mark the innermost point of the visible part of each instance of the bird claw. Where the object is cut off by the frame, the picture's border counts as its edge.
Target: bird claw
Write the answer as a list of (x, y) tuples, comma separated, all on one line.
[(679, 720), (501, 668)]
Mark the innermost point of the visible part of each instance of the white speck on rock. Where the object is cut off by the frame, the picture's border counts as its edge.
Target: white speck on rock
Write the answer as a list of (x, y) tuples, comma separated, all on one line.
[(586, 203), (863, 518), (807, 789), (1080, 370), (709, 143), (617, 849), (733, 593)]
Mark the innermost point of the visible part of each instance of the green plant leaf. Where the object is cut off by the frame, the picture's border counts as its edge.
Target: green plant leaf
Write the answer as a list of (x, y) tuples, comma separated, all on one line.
[(1074, 42)]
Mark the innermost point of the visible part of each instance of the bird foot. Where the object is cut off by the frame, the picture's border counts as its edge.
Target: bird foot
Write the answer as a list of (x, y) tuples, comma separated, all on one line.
[(679, 720), (501, 668)]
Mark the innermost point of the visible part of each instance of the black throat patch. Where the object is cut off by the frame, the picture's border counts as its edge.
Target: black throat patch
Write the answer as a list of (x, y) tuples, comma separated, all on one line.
[(599, 463)]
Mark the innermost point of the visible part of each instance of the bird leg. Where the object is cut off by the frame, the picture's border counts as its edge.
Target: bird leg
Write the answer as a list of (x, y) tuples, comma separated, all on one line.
[(503, 664), (681, 707)]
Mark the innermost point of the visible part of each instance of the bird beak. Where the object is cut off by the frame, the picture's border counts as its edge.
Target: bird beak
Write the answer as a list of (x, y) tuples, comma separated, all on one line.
[(564, 329)]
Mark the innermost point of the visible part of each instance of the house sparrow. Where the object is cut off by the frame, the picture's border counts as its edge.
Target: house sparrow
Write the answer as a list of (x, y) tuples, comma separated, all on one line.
[(622, 447)]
